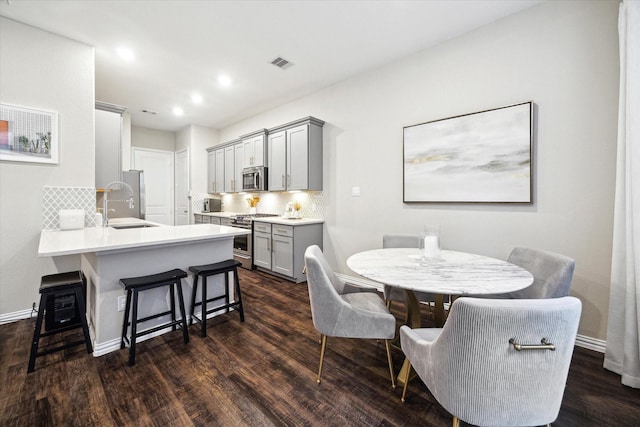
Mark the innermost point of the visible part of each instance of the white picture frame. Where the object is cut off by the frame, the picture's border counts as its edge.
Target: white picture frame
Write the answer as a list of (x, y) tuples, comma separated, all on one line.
[(28, 135), (483, 157)]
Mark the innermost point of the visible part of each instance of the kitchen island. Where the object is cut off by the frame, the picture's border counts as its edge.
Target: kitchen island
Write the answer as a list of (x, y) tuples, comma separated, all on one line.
[(108, 254)]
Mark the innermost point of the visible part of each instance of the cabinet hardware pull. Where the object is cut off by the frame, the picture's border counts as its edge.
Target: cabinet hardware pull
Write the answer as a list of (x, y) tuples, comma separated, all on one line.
[(282, 180), (544, 345)]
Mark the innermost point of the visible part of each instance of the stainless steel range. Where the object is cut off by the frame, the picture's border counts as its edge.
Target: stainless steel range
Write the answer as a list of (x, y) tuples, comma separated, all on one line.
[(243, 245)]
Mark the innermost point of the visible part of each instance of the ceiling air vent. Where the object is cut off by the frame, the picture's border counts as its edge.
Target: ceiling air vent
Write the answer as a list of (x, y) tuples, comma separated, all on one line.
[(281, 63)]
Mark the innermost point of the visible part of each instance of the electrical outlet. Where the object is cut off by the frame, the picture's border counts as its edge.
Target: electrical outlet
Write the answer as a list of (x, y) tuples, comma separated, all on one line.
[(122, 301)]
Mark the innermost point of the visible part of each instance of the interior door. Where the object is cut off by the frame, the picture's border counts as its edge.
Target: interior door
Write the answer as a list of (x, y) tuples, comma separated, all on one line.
[(158, 167), (182, 188)]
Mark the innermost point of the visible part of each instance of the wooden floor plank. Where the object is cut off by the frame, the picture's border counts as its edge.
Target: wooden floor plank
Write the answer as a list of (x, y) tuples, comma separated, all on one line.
[(258, 373)]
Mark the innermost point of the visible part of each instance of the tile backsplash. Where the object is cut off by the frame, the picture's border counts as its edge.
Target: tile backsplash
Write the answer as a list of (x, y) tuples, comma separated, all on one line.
[(313, 203), (56, 198)]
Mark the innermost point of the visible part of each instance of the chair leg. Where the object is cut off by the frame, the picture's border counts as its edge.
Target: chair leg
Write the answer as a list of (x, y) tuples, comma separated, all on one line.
[(172, 299), (193, 297), (406, 382), (456, 422), (125, 323), (83, 319), (238, 294), (134, 329), (36, 333), (324, 345), (203, 312), (393, 380), (185, 330)]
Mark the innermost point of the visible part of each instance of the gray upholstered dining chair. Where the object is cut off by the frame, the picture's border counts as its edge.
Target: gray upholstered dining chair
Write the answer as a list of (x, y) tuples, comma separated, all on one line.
[(497, 362), (403, 241), (552, 274), (347, 315)]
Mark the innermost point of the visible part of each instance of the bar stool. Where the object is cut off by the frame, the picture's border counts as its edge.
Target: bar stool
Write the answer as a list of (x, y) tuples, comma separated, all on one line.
[(204, 271), (62, 297), (133, 286)]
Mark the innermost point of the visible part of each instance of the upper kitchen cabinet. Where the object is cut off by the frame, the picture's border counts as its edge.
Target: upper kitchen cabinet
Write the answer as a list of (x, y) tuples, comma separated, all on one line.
[(108, 142), (233, 164), (215, 170), (255, 149), (295, 155)]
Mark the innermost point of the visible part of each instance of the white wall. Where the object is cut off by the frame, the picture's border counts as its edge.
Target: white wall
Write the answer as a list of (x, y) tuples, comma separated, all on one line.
[(48, 72), (153, 138), (197, 139), (561, 55)]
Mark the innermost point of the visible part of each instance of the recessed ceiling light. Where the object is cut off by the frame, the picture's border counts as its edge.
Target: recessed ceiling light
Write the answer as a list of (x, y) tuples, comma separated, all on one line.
[(125, 53), (178, 111), (197, 99), (224, 81)]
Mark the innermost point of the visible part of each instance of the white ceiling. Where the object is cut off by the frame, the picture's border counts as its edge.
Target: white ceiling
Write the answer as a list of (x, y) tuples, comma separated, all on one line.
[(182, 46)]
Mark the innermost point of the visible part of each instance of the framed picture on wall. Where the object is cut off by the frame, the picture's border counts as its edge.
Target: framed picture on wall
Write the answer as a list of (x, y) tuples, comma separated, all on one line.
[(28, 135), (483, 157)]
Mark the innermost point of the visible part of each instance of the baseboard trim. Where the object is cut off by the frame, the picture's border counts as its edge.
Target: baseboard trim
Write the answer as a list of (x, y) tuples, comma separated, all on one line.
[(16, 315), (581, 340), (591, 343)]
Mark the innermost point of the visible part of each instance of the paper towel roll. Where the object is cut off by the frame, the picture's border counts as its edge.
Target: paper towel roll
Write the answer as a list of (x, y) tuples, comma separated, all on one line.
[(71, 219)]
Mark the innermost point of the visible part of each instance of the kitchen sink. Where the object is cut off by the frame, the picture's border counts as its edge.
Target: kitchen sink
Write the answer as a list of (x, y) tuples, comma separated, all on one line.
[(127, 226)]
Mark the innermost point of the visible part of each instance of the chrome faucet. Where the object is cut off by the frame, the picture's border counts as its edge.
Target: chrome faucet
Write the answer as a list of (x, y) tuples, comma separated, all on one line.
[(105, 202)]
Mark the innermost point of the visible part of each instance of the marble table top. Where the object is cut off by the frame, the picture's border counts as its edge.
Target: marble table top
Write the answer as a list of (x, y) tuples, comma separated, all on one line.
[(454, 273)]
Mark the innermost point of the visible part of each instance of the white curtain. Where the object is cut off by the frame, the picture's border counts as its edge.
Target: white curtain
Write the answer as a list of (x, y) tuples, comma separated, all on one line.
[(623, 337)]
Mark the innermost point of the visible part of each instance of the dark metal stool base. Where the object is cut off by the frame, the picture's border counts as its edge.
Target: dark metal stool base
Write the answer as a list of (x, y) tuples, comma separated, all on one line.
[(133, 286), (204, 271), (50, 287)]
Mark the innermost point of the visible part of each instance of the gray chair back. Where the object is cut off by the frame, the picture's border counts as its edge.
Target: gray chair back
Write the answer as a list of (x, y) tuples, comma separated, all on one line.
[(479, 377), (552, 273), (400, 241)]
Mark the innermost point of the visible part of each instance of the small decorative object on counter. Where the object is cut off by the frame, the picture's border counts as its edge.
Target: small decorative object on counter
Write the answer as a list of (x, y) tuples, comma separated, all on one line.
[(297, 206), (253, 204)]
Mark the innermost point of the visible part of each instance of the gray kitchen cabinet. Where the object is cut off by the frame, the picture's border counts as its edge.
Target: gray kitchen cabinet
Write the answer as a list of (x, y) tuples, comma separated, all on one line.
[(282, 243), (215, 170), (205, 219), (229, 169), (295, 155), (254, 149), (262, 245), (238, 155), (279, 249), (108, 137)]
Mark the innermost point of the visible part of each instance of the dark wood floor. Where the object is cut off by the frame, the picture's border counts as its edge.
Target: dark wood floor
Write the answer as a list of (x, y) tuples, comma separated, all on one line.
[(257, 373)]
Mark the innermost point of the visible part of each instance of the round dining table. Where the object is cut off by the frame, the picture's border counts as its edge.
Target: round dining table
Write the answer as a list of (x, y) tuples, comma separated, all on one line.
[(451, 273)]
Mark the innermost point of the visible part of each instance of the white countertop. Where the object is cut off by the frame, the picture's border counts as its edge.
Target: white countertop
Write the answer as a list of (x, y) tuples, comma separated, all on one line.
[(289, 221), (269, 219), (219, 214), (99, 239)]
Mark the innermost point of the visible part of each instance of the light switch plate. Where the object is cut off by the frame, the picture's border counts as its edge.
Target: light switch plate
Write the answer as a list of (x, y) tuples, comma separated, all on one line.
[(355, 191), (122, 301)]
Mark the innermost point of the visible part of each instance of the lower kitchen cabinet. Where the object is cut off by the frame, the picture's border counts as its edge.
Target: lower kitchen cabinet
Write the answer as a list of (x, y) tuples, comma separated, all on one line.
[(279, 249), (205, 219)]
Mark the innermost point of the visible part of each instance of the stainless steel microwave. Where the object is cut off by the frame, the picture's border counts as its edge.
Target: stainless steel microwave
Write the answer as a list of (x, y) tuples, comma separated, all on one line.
[(254, 179)]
